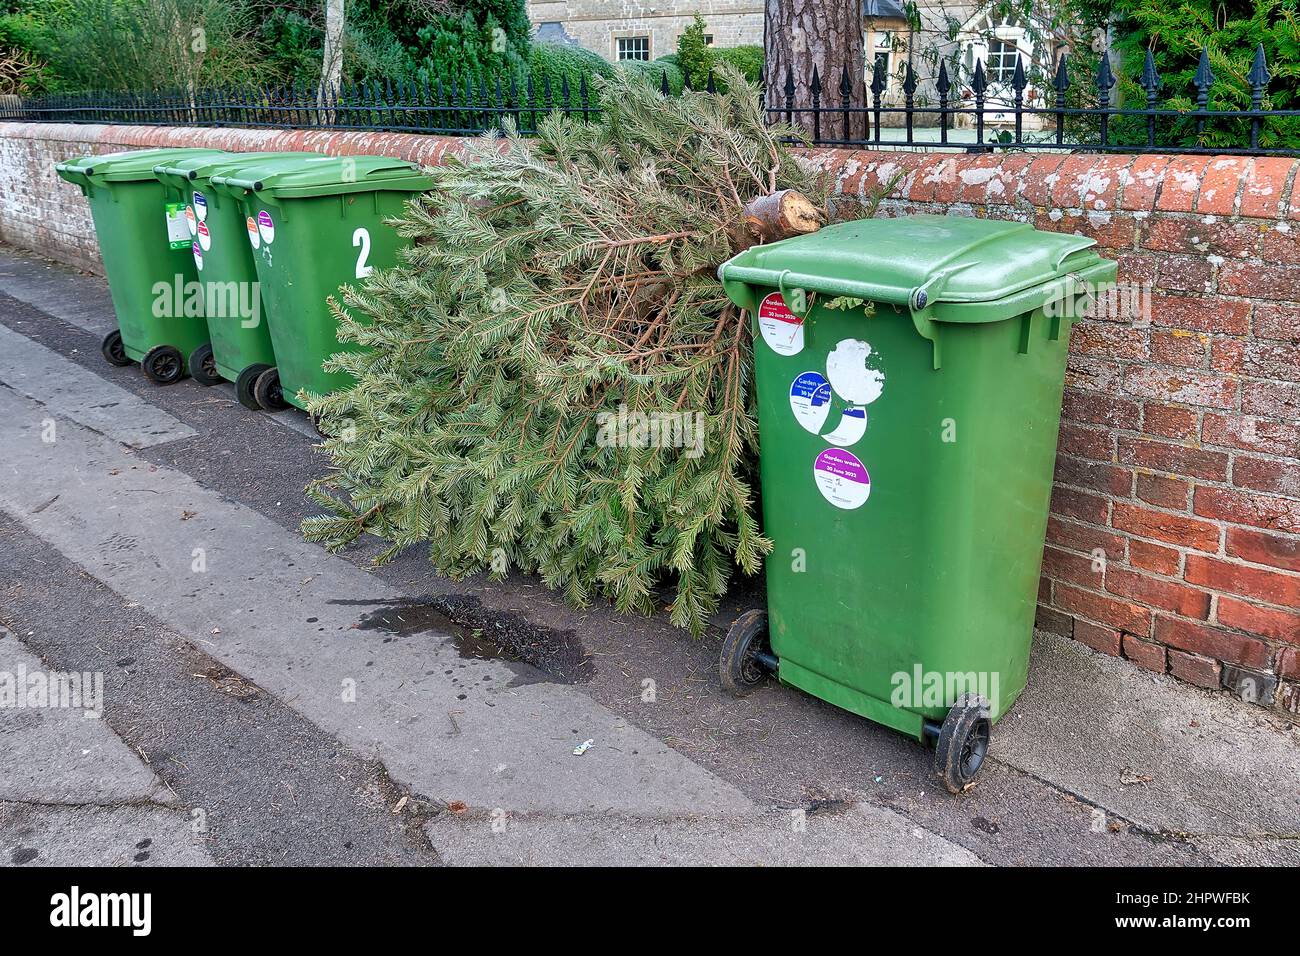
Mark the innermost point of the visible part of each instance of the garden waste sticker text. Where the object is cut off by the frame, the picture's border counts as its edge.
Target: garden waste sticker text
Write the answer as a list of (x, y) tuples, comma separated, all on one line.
[(842, 478), (781, 329)]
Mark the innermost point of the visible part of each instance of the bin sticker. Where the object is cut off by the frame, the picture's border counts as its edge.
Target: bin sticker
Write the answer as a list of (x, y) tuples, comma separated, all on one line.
[(198, 255), (191, 221), (810, 400), (205, 237), (266, 227), (200, 206), (850, 369), (781, 328), (852, 426), (253, 237), (841, 478), (176, 238)]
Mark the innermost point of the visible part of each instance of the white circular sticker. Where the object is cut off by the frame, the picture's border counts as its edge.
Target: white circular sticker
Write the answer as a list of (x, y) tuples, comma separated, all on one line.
[(200, 206), (852, 426), (782, 330), (198, 255), (842, 478), (205, 237), (266, 227), (851, 371), (191, 221), (253, 237)]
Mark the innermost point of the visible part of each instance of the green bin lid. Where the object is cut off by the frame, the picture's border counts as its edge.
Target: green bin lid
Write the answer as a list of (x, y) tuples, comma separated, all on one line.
[(327, 176), (915, 260), (132, 166), (201, 166)]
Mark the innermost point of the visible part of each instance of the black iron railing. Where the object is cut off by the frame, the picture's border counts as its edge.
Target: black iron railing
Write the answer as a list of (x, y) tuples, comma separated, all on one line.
[(979, 114), (974, 112), (455, 108)]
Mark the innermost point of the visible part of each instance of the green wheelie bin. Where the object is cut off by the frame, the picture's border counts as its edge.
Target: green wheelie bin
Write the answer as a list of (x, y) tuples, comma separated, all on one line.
[(314, 226), (239, 347), (146, 249), (909, 376)]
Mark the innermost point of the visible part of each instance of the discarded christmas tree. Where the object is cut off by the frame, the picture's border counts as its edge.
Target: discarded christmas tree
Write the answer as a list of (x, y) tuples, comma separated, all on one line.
[(555, 381)]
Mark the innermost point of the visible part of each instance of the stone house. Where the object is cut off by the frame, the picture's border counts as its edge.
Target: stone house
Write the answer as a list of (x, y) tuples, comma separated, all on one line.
[(649, 29), (644, 29)]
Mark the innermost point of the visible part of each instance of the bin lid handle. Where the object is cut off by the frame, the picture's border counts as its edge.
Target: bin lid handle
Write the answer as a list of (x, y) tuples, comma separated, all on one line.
[(796, 299), (921, 300)]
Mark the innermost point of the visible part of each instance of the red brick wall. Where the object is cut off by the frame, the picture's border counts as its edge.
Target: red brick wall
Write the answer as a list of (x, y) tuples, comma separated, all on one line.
[(1175, 532)]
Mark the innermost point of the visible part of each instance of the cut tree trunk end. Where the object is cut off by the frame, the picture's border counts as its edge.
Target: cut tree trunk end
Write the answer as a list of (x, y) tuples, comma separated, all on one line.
[(781, 215)]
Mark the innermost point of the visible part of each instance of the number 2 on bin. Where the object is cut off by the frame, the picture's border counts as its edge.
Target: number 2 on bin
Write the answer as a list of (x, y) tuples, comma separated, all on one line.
[(362, 238)]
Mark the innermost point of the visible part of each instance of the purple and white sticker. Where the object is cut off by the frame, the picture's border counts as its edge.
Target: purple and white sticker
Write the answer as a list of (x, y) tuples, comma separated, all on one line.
[(842, 478), (198, 255), (266, 227), (810, 400)]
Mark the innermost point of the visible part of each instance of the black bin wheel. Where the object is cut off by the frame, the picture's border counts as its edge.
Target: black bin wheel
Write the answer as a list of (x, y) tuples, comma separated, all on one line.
[(739, 665), (315, 423), (203, 366), (266, 389), (114, 351), (163, 364), (244, 386), (963, 742)]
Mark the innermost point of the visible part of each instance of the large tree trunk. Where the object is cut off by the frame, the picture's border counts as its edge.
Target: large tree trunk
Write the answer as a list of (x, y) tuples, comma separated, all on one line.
[(331, 74), (799, 35)]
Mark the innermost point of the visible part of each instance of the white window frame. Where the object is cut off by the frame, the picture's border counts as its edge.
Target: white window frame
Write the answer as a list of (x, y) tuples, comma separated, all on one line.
[(974, 38), (630, 38), (1000, 61)]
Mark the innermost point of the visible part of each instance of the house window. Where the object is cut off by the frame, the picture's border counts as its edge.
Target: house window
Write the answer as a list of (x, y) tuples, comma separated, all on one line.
[(1002, 61), (634, 48), (882, 47), (708, 39)]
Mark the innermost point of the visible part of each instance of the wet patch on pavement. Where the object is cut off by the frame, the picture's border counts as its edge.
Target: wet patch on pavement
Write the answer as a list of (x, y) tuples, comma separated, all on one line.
[(482, 633)]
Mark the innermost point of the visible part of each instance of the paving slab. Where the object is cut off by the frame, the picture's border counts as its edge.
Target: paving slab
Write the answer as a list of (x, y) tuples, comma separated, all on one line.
[(58, 290), (58, 755), (62, 387), (1158, 751), (98, 836), (855, 835)]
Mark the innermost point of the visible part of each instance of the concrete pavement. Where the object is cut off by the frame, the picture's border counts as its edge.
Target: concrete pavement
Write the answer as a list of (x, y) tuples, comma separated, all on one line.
[(73, 792), (168, 519)]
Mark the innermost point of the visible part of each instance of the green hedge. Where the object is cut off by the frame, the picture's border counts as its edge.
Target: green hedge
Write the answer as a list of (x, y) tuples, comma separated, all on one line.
[(655, 72), (747, 59), (559, 62)]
